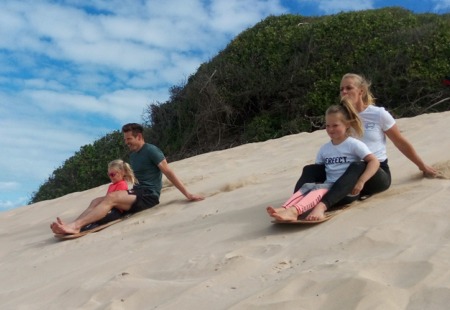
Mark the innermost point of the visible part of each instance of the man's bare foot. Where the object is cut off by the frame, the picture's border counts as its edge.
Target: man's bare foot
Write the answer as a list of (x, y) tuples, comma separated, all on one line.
[(317, 213), (286, 215), (271, 210)]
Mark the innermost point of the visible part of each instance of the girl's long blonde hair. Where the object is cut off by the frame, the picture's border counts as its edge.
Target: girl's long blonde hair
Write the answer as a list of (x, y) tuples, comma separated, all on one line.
[(128, 173), (350, 116)]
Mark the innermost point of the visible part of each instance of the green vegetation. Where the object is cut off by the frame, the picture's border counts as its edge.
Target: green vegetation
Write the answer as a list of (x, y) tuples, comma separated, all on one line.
[(86, 169), (278, 78)]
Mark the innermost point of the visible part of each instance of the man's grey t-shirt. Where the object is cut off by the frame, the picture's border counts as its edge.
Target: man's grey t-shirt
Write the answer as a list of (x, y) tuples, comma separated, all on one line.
[(145, 167)]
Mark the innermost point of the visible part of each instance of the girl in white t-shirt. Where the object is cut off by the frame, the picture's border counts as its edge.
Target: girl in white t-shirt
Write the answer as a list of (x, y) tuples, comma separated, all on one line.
[(342, 121), (378, 124)]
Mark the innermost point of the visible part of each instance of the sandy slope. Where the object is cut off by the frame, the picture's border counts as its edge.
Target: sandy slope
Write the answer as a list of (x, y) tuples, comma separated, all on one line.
[(389, 252)]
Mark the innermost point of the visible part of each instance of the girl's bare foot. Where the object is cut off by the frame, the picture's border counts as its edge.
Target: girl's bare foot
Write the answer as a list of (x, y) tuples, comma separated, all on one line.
[(317, 213), (59, 227), (56, 229), (271, 210), (286, 215)]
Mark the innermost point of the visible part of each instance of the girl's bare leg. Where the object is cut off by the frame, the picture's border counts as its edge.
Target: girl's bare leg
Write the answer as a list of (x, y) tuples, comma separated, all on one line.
[(120, 199), (294, 199)]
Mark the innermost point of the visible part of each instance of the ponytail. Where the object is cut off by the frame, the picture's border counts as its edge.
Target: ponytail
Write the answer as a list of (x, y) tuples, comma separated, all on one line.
[(129, 174), (350, 115)]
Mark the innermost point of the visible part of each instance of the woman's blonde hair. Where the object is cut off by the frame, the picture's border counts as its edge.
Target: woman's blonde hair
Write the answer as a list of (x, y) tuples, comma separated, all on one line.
[(128, 174), (364, 84), (350, 116)]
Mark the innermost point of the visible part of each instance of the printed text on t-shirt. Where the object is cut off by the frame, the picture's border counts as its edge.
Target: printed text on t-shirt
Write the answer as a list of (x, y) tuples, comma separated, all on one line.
[(335, 160)]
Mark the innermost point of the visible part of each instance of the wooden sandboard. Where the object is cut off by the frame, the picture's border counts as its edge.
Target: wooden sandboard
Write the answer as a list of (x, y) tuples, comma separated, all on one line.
[(328, 215), (83, 233)]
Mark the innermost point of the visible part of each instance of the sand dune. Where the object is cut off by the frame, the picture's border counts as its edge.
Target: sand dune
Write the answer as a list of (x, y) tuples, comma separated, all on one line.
[(389, 252)]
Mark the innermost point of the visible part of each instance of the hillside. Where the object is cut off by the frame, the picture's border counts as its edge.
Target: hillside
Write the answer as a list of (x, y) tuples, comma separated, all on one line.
[(387, 252)]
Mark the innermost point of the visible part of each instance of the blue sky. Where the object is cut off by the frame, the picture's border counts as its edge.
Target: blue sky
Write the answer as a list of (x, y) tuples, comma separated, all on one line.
[(73, 70)]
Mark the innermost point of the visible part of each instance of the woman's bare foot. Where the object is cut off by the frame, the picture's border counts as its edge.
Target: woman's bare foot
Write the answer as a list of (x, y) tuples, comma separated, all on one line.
[(317, 213), (271, 210), (286, 215)]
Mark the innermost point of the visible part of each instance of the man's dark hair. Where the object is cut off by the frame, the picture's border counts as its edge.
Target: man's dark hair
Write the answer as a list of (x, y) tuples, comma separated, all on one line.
[(134, 128)]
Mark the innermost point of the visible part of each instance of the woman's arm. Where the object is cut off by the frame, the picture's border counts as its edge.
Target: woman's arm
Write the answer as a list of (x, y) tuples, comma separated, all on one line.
[(372, 167), (408, 150)]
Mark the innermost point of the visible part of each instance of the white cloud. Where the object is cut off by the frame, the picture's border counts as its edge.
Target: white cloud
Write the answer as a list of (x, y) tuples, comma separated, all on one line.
[(126, 104), (11, 204), (74, 70), (336, 6), (233, 16), (441, 6), (8, 186), (51, 102), (124, 55)]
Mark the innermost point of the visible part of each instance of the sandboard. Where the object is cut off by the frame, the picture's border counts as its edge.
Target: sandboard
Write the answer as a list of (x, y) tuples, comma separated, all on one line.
[(328, 215), (83, 233)]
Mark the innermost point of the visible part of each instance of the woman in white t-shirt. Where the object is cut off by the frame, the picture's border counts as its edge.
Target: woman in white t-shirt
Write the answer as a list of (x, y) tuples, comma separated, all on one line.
[(378, 123), (342, 121)]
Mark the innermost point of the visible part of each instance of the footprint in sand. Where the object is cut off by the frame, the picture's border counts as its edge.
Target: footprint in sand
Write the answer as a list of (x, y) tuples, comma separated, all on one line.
[(282, 266), (239, 184)]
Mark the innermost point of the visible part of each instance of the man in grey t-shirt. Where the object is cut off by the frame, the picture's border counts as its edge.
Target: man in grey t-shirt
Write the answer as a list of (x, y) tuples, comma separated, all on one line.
[(148, 163)]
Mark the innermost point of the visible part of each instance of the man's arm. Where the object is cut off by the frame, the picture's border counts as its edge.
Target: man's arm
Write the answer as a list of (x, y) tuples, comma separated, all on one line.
[(168, 172)]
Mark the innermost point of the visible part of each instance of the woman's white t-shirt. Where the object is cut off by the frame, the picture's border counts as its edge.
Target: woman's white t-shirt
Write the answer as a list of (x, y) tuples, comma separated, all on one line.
[(376, 121)]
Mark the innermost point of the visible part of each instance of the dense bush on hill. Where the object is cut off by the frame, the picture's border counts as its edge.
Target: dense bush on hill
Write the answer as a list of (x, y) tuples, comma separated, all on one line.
[(86, 169), (278, 77)]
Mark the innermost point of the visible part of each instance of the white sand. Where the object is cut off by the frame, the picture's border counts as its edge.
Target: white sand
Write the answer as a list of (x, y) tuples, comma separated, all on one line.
[(389, 252)]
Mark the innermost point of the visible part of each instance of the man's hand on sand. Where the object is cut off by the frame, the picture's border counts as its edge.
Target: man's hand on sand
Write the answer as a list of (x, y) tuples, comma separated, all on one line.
[(193, 197)]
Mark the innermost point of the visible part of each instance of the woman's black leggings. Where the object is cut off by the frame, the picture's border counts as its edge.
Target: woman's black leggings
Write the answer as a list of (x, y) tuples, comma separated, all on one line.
[(337, 195)]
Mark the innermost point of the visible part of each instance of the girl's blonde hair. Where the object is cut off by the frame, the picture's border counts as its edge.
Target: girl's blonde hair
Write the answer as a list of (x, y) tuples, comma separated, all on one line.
[(364, 84), (128, 174), (350, 116)]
